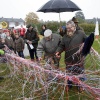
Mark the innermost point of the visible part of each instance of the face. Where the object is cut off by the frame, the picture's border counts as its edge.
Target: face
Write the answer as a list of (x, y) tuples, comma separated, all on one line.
[(43, 27), (30, 28), (70, 29), (7, 34), (76, 23), (16, 36), (48, 38)]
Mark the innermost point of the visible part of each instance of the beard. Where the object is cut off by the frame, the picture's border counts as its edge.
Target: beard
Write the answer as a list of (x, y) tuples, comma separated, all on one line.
[(70, 33)]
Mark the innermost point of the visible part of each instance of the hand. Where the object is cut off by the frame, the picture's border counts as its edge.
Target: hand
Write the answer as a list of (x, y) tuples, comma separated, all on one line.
[(57, 54), (27, 41), (39, 58), (30, 42)]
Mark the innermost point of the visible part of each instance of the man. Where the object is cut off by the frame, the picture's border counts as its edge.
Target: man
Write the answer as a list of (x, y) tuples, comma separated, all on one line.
[(76, 23), (31, 39), (62, 30), (12, 33), (48, 46), (70, 43)]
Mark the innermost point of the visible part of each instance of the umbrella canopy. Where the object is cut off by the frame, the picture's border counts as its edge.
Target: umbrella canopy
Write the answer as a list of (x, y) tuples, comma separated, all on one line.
[(58, 6)]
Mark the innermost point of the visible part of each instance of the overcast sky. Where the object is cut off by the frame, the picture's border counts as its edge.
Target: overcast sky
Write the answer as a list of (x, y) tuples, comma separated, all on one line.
[(19, 9)]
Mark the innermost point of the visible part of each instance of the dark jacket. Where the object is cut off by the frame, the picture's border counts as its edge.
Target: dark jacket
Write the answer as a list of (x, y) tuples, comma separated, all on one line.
[(12, 35), (42, 32), (1, 46), (19, 44), (79, 28), (9, 43), (70, 45), (33, 37)]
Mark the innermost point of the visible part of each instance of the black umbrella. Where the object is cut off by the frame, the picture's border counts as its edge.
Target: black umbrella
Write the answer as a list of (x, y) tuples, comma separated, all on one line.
[(58, 6)]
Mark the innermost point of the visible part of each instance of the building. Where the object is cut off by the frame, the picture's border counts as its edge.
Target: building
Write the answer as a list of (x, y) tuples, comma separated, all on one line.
[(93, 21), (11, 22)]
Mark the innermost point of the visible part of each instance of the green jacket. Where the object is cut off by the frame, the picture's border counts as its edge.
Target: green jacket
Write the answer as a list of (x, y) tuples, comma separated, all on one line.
[(48, 47), (71, 45)]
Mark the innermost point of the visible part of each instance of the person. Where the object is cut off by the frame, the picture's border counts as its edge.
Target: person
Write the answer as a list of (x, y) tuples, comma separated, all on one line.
[(9, 41), (76, 23), (31, 39), (43, 30), (1, 53), (2, 34), (22, 31), (62, 30), (19, 45), (13, 30), (12, 33), (48, 46), (70, 43)]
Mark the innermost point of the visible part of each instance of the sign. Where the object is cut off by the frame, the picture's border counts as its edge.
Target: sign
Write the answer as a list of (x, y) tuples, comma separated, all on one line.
[(4, 24)]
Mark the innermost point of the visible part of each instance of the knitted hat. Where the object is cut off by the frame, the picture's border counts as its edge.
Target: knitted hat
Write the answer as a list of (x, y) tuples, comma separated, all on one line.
[(47, 33)]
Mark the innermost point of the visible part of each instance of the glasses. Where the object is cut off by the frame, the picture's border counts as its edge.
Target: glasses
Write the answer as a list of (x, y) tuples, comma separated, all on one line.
[(70, 28)]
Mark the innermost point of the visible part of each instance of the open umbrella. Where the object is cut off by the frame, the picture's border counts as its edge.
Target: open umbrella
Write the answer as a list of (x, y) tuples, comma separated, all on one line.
[(59, 6)]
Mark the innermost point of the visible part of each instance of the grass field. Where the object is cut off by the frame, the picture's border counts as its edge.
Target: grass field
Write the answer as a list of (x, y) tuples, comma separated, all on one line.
[(11, 86)]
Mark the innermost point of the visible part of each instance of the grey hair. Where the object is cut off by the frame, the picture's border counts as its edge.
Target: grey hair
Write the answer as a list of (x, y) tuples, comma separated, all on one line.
[(70, 22)]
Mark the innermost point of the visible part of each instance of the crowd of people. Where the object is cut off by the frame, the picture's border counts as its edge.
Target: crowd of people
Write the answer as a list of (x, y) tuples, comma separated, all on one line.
[(16, 39), (50, 46)]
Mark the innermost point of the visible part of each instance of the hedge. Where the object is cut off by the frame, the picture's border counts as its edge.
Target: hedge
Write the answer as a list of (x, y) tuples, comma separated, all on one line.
[(53, 25)]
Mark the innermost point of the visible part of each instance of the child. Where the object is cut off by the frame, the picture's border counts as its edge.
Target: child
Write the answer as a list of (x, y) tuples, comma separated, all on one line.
[(19, 45), (9, 41)]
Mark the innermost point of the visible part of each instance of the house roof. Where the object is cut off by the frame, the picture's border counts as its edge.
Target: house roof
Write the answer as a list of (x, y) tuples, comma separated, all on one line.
[(11, 19)]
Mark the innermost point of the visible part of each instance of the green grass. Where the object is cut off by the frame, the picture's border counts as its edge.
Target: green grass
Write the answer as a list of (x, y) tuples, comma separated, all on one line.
[(11, 86)]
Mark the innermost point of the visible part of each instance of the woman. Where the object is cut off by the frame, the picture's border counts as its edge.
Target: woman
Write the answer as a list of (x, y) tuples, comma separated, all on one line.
[(31, 39), (43, 29)]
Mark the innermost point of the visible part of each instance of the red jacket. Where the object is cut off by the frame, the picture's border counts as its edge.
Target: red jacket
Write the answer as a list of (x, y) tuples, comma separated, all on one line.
[(22, 31)]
